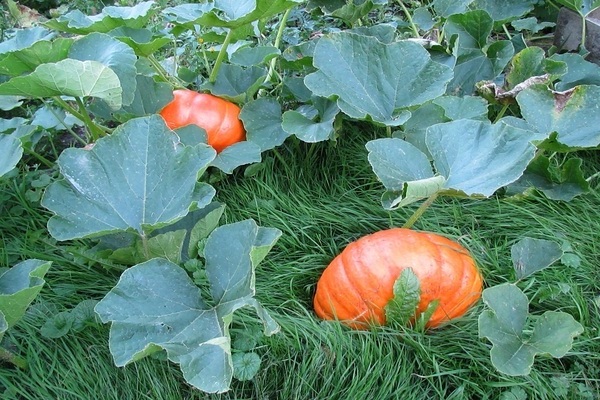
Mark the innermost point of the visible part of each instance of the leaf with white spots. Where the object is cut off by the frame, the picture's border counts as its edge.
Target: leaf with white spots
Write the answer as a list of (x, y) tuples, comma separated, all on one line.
[(156, 305), (138, 178)]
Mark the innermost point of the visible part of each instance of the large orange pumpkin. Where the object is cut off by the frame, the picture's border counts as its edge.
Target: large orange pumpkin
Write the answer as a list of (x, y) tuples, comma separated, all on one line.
[(359, 282), (217, 116)]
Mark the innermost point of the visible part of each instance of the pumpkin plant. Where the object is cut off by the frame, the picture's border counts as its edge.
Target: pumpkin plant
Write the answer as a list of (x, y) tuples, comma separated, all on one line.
[(369, 280), (217, 116)]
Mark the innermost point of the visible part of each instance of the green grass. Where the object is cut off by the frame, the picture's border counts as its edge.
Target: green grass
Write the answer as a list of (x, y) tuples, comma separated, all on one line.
[(322, 197)]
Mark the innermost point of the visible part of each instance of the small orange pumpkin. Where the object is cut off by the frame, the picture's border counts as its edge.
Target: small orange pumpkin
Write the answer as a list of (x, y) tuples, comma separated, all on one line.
[(217, 116), (359, 282)]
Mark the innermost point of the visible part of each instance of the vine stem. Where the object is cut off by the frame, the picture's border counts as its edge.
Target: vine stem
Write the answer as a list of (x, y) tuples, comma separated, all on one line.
[(8, 356), (62, 121), (410, 20), (94, 129), (419, 211), (277, 43), (501, 113), (220, 57)]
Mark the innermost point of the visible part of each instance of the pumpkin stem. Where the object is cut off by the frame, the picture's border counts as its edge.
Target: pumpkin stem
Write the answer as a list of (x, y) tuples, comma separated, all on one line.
[(419, 211), (222, 53)]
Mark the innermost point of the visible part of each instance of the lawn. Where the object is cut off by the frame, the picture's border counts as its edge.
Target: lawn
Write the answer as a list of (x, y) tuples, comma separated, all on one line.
[(321, 188)]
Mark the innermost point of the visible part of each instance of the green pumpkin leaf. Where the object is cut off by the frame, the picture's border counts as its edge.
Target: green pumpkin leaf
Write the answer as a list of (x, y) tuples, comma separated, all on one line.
[(262, 120), (25, 60), (477, 157), (11, 152), (138, 178), (19, 286), (156, 305), (58, 325), (142, 41), (245, 365), (504, 324), (314, 126), (407, 294), (572, 114), (351, 68), (579, 71), (68, 77), (249, 56), (237, 83), (110, 18), (475, 60), (227, 13), (556, 184), (505, 9), (238, 154), (583, 7), (111, 53), (446, 8), (530, 255)]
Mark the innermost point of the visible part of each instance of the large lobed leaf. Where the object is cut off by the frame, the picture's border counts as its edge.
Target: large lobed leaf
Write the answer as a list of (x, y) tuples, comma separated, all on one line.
[(572, 114), (68, 77), (374, 80), (155, 305), (473, 157), (138, 178)]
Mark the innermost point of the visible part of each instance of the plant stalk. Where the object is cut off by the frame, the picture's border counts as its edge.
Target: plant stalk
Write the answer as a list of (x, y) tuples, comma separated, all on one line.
[(95, 131), (277, 43), (419, 211), (410, 20), (220, 57)]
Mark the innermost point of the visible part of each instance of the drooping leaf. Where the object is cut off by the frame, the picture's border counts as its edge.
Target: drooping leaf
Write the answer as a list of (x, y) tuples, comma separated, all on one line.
[(24, 38), (396, 162), (25, 60), (68, 77), (249, 56), (530, 255), (407, 294), (262, 120), (237, 83), (11, 152), (557, 184), (155, 305), (141, 40), (579, 71), (572, 114), (404, 170), (227, 13), (374, 80), (138, 178), (19, 286), (502, 10), (110, 18), (111, 53), (236, 155), (466, 107), (149, 97), (514, 350), (477, 157), (314, 126)]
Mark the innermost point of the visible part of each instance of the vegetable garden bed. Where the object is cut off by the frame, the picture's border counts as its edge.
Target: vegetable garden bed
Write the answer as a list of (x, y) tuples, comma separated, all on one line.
[(142, 263)]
